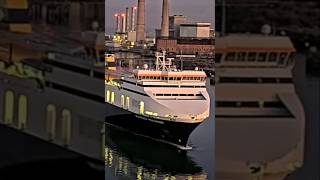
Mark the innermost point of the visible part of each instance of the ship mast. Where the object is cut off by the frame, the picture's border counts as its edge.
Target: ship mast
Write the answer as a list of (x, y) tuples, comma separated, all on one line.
[(163, 63)]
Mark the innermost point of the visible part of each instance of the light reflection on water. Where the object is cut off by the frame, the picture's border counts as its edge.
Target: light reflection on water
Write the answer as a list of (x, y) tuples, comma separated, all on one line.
[(133, 157)]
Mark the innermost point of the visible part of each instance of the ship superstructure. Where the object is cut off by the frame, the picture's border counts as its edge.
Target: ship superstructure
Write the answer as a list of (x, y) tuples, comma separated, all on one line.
[(46, 84), (259, 117)]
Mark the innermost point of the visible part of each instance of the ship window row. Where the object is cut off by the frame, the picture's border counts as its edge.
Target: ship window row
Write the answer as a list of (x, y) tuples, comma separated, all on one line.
[(173, 86), (177, 94), (170, 78), (280, 57), (183, 86), (254, 80), (124, 100), (250, 104), (22, 116)]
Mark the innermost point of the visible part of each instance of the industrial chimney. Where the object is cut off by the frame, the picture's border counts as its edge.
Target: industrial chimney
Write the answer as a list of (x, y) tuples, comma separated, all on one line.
[(165, 19), (127, 20), (141, 21), (123, 16), (117, 16), (133, 18)]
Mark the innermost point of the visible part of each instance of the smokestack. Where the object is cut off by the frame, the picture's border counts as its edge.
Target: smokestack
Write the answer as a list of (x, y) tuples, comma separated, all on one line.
[(165, 19), (127, 20), (117, 22), (133, 18), (123, 22), (140, 21)]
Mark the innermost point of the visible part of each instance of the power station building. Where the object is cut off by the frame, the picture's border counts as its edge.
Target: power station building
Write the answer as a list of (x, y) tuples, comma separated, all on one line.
[(186, 38), (176, 36), (196, 30), (187, 46)]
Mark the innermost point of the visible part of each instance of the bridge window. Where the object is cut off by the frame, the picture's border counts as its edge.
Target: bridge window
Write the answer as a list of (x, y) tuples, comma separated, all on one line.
[(217, 57), (282, 58), (242, 56), (262, 57), (291, 58), (226, 104), (273, 104), (9, 107), (273, 57), (252, 56), (230, 56), (51, 121), (23, 112)]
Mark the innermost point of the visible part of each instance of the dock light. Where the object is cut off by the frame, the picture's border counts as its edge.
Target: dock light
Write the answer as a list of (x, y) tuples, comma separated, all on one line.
[(135, 7), (115, 15)]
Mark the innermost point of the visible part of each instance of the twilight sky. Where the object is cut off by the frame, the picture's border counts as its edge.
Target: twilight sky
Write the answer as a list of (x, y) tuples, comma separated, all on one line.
[(194, 10)]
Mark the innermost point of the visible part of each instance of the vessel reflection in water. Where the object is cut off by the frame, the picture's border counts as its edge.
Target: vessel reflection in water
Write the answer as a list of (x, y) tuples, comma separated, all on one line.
[(134, 157)]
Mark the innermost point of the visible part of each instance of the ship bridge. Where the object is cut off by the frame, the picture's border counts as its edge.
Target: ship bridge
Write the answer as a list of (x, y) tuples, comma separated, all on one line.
[(254, 51)]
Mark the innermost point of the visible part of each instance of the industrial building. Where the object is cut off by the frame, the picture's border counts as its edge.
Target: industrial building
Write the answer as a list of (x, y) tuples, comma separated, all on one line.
[(177, 36), (126, 25), (174, 24), (196, 30), (187, 46)]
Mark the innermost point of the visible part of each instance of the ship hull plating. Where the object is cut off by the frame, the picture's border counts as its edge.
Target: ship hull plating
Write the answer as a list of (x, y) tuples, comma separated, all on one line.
[(174, 133)]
